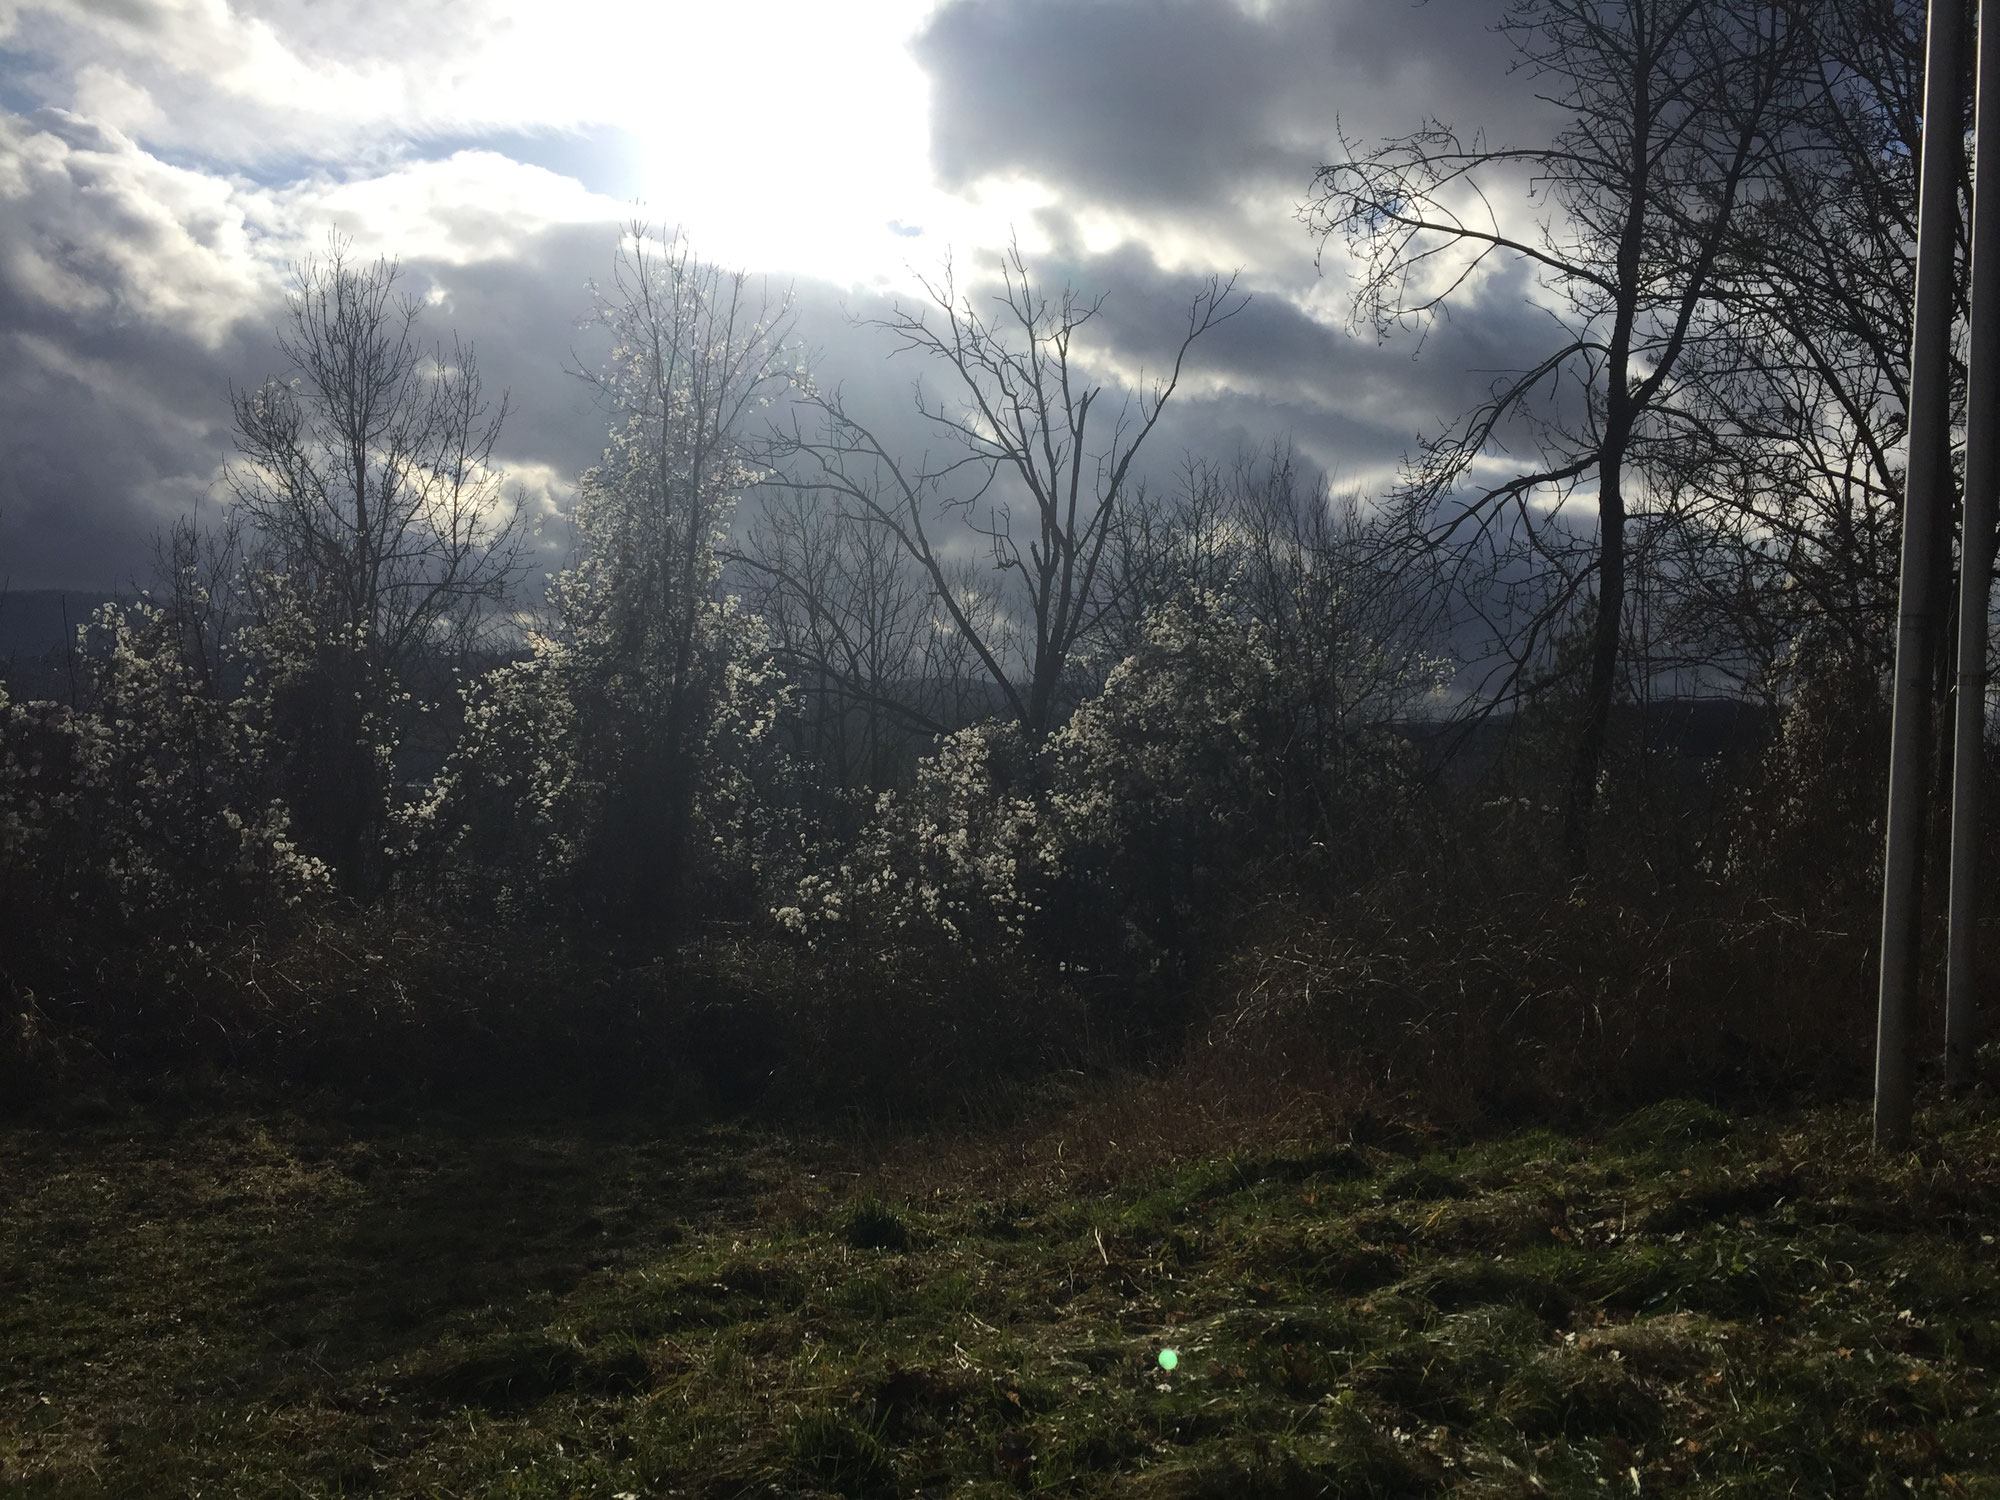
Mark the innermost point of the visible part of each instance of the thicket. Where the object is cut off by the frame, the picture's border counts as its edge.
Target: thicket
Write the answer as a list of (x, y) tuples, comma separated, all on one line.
[(828, 776)]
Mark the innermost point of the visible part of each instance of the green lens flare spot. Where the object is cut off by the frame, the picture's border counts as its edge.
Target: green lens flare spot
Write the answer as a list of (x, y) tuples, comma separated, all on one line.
[(1168, 1359)]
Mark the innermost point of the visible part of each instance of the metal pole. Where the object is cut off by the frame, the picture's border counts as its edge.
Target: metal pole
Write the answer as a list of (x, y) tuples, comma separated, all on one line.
[(1916, 625), (1975, 564)]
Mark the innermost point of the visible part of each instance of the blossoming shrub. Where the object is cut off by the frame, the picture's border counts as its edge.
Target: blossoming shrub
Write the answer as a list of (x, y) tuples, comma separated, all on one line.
[(962, 857), (750, 835), (538, 800), (334, 709), (1807, 823), (155, 798), (923, 967), (1164, 781), (508, 816), (1184, 778)]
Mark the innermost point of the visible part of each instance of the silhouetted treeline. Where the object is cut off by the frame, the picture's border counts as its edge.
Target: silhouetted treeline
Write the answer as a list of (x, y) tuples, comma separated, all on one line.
[(1551, 775)]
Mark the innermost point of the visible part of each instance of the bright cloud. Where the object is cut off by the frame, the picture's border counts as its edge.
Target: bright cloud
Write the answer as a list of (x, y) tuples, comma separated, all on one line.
[(790, 134)]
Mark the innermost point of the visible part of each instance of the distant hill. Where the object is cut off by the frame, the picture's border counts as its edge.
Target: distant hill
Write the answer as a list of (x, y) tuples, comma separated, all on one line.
[(1687, 734), (37, 624), (35, 627), (33, 621)]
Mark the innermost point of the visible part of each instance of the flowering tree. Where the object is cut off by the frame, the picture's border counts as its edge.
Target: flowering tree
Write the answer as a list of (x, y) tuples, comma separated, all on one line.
[(695, 353), (637, 741), (365, 475)]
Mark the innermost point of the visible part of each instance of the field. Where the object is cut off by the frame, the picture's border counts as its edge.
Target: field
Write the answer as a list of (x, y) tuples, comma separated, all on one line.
[(314, 1298)]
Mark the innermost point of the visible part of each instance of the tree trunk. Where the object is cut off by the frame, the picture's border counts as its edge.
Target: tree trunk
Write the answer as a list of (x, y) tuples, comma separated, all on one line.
[(1581, 809)]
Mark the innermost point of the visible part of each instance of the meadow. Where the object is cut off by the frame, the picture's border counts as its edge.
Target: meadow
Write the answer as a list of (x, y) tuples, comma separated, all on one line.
[(298, 1294)]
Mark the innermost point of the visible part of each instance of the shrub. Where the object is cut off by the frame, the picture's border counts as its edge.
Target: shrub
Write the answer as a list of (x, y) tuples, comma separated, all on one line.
[(1166, 781), (156, 798), (961, 858), (543, 796)]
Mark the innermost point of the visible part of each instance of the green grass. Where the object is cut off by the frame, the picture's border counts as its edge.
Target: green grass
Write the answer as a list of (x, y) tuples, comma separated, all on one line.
[(313, 1301)]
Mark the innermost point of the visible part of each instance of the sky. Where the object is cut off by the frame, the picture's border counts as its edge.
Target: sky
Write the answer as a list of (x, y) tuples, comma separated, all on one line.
[(163, 163)]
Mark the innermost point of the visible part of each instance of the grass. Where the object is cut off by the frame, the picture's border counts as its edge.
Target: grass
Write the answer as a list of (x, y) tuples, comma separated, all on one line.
[(319, 1299)]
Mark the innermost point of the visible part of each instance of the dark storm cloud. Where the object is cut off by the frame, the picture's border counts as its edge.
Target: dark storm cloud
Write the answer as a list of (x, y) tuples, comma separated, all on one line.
[(87, 476), (122, 323), (526, 314), (1185, 103)]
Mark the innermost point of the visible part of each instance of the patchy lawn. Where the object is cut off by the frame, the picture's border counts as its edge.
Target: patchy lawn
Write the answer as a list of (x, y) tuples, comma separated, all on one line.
[(316, 1301)]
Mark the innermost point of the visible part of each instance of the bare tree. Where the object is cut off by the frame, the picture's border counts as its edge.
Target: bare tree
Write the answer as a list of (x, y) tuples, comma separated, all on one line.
[(1016, 430), (1788, 453), (859, 631), (383, 534), (1625, 220)]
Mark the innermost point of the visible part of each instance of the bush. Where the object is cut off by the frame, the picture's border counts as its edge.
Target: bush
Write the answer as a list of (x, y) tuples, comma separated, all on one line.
[(154, 800), (1545, 1007), (547, 796), (962, 858), (1807, 828), (1135, 830)]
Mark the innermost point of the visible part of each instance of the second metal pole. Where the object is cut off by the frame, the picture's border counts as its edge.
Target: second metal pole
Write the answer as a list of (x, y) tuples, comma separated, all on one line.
[(1975, 565), (1916, 624)]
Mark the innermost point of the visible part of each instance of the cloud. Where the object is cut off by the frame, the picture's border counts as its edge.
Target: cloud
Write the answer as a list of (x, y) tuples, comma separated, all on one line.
[(1198, 110), (165, 160), (124, 288), (135, 293), (99, 233), (243, 82), (470, 206), (1169, 139)]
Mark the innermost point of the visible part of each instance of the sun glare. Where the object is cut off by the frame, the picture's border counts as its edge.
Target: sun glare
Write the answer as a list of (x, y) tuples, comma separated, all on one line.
[(792, 135)]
